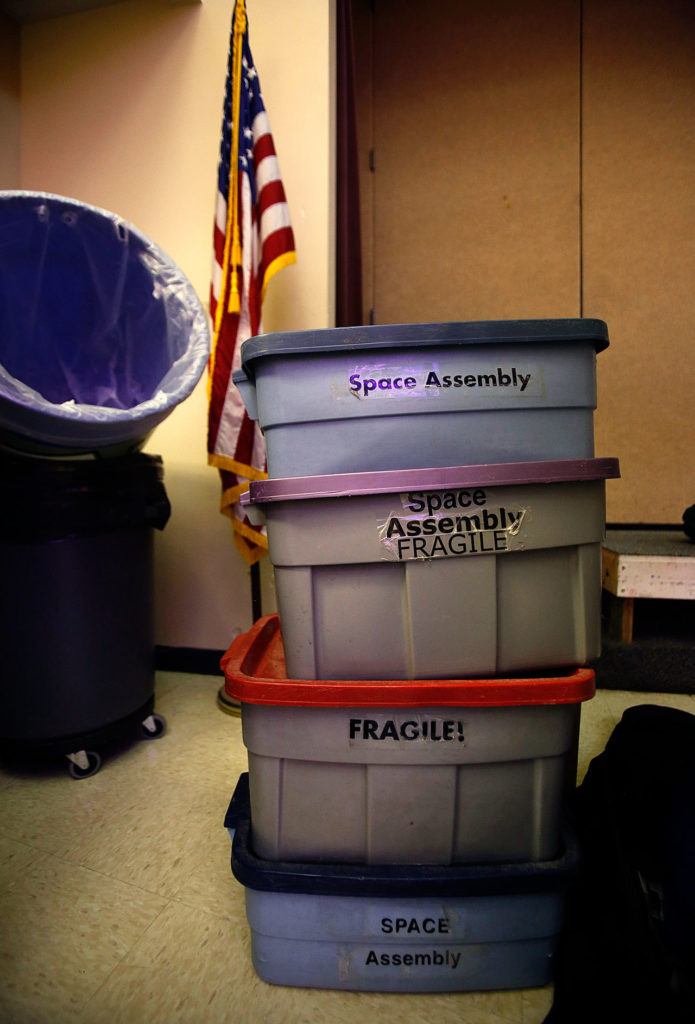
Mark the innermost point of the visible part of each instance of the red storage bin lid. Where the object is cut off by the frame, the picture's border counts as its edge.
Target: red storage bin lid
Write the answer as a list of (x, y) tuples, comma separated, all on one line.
[(255, 673)]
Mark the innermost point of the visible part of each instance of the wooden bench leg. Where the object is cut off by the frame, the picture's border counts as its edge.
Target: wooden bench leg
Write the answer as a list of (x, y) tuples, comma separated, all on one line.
[(621, 618)]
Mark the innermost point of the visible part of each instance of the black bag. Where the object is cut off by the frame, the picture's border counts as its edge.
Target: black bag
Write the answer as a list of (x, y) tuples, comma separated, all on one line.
[(627, 953)]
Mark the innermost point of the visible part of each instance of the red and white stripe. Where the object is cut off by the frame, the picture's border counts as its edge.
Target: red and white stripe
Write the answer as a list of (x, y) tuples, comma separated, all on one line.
[(270, 218)]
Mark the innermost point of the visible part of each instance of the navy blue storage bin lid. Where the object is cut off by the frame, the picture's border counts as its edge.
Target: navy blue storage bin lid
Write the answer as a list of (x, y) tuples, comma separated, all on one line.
[(409, 880), (379, 336)]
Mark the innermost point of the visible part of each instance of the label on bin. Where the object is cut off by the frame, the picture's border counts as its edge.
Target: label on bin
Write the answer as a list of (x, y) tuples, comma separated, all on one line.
[(449, 958), (416, 729), (414, 925), (376, 381), (448, 524)]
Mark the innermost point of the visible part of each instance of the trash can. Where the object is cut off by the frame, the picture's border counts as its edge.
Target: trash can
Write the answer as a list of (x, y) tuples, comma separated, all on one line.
[(76, 602), (101, 335)]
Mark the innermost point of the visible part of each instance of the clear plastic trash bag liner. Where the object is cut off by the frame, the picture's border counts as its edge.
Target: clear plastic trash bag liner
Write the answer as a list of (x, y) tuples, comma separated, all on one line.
[(101, 334)]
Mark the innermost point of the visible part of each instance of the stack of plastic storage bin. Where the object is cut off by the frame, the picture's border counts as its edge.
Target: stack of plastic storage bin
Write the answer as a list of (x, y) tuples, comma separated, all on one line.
[(435, 515)]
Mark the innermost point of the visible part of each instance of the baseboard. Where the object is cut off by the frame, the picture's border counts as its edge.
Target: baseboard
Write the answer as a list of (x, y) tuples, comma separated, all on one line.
[(195, 660), (645, 526)]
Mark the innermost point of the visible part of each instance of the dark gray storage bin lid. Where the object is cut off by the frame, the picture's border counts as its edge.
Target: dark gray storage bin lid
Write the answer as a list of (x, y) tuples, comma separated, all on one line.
[(380, 336)]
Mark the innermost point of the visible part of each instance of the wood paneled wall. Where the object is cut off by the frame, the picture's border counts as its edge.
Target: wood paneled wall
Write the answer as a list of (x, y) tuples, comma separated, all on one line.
[(536, 160), (639, 245)]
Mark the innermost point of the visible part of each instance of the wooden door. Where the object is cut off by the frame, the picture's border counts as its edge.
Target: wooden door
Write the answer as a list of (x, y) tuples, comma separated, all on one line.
[(536, 160)]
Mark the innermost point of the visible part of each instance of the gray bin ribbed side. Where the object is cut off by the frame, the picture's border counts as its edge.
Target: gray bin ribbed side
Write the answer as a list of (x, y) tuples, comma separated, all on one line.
[(433, 785), (511, 585)]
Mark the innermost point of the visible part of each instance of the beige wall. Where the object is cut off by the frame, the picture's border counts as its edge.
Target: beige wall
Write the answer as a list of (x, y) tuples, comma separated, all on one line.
[(121, 107), (639, 256), (9, 102)]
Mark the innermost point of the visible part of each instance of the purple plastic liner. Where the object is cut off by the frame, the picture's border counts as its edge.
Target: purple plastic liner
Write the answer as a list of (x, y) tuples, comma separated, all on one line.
[(500, 474)]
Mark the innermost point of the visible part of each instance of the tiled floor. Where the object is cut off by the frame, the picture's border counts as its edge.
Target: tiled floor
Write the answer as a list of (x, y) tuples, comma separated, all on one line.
[(117, 902)]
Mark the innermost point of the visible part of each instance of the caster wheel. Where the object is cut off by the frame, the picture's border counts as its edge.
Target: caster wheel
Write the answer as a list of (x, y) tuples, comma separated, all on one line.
[(83, 764), (153, 727)]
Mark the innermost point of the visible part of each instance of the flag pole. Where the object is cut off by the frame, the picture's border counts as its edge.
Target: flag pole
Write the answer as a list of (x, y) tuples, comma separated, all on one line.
[(232, 245), (228, 704), (234, 304), (230, 264), (256, 597), (238, 48), (248, 250)]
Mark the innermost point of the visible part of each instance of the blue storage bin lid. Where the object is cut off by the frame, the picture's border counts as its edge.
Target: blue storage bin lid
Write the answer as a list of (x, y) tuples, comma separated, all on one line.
[(381, 336), (408, 880)]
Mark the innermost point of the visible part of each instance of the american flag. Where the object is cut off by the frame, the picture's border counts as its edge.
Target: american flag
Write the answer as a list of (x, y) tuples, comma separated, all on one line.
[(253, 239)]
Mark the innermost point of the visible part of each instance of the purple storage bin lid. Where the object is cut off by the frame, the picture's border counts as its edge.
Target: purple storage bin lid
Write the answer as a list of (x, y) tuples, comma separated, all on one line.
[(393, 481)]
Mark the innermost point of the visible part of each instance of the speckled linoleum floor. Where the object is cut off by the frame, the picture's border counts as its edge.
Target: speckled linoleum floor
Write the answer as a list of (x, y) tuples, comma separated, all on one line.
[(117, 902)]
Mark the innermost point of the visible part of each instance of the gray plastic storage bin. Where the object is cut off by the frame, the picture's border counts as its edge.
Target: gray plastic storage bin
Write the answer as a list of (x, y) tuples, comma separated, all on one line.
[(402, 772), (400, 929), (464, 571), (402, 396)]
